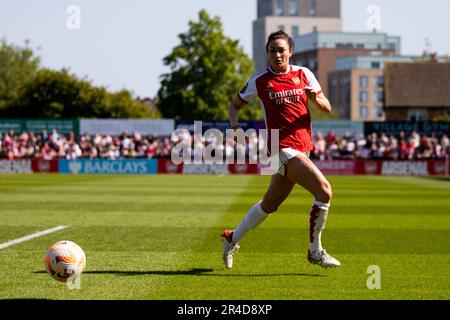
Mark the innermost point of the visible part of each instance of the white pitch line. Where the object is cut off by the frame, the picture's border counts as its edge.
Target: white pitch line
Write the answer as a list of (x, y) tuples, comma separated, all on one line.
[(31, 236)]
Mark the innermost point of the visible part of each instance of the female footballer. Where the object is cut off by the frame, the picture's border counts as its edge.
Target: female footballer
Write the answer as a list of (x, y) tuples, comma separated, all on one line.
[(284, 90)]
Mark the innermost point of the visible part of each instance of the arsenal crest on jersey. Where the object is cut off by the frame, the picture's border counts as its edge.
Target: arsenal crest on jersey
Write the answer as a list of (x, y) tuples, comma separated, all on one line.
[(296, 80)]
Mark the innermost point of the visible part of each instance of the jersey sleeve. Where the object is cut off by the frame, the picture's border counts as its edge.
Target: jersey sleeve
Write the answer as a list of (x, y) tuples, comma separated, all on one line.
[(249, 91), (312, 81)]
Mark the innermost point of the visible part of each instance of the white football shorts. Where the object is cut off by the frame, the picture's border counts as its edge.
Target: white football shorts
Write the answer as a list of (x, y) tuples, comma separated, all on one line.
[(284, 156)]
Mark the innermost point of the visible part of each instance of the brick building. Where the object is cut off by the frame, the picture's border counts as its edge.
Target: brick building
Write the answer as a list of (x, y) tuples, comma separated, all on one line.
[(417, 91), (318, 51), (356, 87)]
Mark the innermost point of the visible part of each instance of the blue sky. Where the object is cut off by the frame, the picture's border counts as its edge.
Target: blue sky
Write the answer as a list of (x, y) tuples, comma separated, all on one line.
[(121, 43)]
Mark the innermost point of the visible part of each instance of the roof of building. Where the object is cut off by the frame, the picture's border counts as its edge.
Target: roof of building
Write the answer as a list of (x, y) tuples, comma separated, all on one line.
[(367, 61), (346, 40), (424, 84)]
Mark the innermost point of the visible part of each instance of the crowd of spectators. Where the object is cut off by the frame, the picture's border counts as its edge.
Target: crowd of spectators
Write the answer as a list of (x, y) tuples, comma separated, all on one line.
[(382, 146), (53, 145)]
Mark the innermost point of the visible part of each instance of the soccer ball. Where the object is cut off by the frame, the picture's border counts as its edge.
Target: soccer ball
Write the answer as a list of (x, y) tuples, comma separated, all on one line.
[(64, 259)]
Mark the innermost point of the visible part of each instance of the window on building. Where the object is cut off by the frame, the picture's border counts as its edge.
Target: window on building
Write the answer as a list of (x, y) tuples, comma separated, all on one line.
[(280, 27), (379, 96), (313, 11), (295, 32), (279, 7), (378, 112), (417, 115), (334, 82), (363, 112), (375, 65), (363, 81), (293, 7), (340, 45), (344, 81), (363, 96), (314, 29), (379, 81)]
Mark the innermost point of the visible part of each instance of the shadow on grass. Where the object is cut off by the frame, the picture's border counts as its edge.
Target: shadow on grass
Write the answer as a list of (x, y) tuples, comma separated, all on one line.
[(192, 272)]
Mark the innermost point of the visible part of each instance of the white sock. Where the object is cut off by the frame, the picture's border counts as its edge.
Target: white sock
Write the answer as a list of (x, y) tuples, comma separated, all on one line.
[(317, 221), (253, 219)]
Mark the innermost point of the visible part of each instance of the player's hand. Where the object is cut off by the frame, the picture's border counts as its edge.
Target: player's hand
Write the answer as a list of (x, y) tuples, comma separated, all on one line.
[(318, 98), (310, 92)]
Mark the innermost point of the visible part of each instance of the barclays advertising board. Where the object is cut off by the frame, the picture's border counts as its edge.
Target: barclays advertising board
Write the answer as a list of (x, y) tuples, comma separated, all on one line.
[(107, 166)]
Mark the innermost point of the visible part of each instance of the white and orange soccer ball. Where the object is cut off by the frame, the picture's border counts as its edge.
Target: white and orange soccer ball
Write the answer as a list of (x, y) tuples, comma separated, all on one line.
[(64, 259)]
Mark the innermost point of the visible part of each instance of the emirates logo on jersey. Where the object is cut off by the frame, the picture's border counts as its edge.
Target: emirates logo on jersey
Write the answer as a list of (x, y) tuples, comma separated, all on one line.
[(296, 80), (286, 96)]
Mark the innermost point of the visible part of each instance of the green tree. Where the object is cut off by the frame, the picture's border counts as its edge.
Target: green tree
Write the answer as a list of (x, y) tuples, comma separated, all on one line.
[(207, 69), (122, 105), (60, 95), (16, 66)]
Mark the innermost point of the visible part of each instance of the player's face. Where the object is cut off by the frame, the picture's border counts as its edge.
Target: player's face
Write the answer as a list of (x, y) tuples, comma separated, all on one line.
[(279, 54)]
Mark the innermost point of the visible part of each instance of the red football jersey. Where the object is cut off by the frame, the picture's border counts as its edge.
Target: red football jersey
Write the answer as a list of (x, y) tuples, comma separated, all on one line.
[(285, 104)]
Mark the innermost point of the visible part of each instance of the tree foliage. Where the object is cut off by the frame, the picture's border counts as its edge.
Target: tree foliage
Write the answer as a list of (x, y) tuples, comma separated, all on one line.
[(207, 69), (28, 91), (57, 94), (17, 65)]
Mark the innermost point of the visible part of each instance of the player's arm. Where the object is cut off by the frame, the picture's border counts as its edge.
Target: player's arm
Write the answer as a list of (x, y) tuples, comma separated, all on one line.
[(233, 111), (319, 99), (246, 94)]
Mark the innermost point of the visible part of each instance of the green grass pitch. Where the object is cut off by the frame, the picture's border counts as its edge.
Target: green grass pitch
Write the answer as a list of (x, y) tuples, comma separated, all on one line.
[(157, 237)]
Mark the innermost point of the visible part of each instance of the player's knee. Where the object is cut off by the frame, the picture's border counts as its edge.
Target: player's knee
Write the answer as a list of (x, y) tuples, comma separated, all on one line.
[(269, 207), (325, 192)]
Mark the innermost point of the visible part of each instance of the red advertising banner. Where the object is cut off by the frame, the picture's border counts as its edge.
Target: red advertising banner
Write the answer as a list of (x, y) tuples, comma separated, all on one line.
[(167, 166), (44, 166), (404, 168), (338, 167), (15, 166), (328, 167), (243, 168), (401, 168), (370, 167), (437, 168)]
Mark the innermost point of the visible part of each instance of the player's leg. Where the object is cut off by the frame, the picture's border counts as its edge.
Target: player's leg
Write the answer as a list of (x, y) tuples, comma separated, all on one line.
[(278, 190), (304, 172)]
